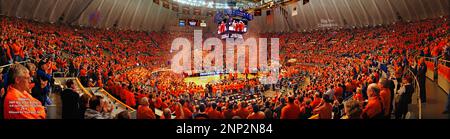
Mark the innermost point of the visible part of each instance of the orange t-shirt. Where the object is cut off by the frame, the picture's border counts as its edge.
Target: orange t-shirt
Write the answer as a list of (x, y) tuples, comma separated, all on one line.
[(144, 112), (83, 72), (290, 111), (228, 114), (258, 115), (316, 102), (16, 48), (338, 91), (325, 111), (373, 107), (348, 87), (99, 83), (21, 105), (214, 114), (187, 113), (242, 112), (386, 98)]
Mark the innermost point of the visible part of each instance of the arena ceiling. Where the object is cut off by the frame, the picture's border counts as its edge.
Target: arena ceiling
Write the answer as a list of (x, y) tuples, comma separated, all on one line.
[(150, 16)]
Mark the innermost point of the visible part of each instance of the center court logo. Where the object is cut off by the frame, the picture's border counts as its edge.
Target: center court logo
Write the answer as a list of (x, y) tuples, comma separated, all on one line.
[(239, 56)]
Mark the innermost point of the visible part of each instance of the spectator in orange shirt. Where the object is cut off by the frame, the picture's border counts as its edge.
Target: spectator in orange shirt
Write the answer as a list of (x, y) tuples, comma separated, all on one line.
[(229, 113), (167, 114), (338, 91), (24, 106), (178, 108), (83, 76), (201, 113), (187, 112), (242, 111), (290, 111), (306, 110), (100, 82), (374, 107), (257, 114), (385, 94), (32, 68), (123, 92), (316, 100), (348, 89), (214, 113), (17, 48), (144, 111), (358, 95), (131, 100), (325, 109), (208, 107)]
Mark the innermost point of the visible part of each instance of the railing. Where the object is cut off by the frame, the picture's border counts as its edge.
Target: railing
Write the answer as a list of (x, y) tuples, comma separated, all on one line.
[(444, 62), (435, 71), (316, 116), (64, 74), (434, 60), (348, 98), (80, 86), (443, 71), (415, 85), (21, 62), (429, 58), (416, 90), (116, 100)]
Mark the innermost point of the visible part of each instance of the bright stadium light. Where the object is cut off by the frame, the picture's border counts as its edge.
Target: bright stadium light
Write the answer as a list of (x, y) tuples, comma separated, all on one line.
[(203, 3), (192, 2)]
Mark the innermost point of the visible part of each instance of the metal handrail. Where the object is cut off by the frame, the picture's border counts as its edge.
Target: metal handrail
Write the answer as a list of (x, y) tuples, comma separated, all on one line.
[(426, 58), (82, 87), (443, 61), (116, 100), (14, 63), (419, 101)]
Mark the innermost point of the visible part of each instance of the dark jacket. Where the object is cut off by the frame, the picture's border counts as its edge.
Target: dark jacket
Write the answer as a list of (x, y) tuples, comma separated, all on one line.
[(278, 110), (421, 73), (70, 104), (406, 97), (40, 93)]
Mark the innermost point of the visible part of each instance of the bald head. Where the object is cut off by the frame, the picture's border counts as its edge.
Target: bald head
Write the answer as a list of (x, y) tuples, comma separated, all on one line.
[(144, 101), (167, 113), (373, 90)]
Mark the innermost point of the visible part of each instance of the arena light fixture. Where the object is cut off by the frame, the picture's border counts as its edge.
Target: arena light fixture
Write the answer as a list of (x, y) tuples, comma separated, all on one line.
[(227, 4), (204, 3)]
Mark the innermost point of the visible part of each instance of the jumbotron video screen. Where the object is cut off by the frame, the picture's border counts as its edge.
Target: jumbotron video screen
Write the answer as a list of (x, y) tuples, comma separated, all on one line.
[(224, 67), (232, 23)]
